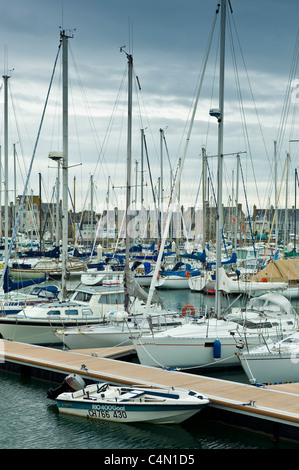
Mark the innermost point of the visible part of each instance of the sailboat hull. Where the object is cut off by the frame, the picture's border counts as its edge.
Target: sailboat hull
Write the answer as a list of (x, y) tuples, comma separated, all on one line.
[(37, 331)]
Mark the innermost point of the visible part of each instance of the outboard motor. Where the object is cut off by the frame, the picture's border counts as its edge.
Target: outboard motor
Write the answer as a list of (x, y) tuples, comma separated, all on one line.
[(71, 382)]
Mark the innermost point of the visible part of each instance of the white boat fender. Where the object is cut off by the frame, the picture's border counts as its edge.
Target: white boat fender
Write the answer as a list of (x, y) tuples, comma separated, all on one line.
[(71, 382), (217, 349)]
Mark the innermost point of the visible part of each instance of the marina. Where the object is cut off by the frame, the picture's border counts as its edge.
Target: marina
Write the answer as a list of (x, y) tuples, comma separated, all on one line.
[(151, 324), (273, 409)]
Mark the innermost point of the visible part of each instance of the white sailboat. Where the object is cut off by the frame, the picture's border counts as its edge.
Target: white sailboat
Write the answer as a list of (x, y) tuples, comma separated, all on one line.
[(35, 324), (275, 362), (213, 342), (121, 322), (210, 342), (251, 288)]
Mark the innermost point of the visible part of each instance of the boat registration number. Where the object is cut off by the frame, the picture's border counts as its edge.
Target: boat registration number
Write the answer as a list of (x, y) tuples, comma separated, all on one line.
[(104, 411)]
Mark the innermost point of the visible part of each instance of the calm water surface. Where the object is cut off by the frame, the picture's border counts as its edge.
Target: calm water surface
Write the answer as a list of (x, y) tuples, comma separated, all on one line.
[(29, 420)]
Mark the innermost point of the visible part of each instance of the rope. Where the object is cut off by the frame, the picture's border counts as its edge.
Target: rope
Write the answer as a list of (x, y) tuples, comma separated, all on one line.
[(247, 209), (269, 237), (205, 365), (30, 169)]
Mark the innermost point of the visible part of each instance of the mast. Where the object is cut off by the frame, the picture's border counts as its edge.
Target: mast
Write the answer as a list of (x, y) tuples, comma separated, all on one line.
[(40, 210), (129, 157), (219, 215), (5, 78), (142, 177), (286, 208), (64, 40), (91, 213), (203, 199), (275, 192), (237, 202)]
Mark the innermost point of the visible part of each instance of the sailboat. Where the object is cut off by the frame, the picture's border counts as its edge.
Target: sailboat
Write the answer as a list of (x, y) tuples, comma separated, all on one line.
[(251, 288), (36, 324), (211, 342), (273, 363)]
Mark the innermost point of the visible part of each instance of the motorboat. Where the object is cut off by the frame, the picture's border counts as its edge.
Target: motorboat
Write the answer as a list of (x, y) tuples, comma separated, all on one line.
[(272, 363), (123, 404)]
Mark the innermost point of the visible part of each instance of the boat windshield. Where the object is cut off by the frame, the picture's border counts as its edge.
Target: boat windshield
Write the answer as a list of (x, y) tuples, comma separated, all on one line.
[(117, 298), (82, 296)]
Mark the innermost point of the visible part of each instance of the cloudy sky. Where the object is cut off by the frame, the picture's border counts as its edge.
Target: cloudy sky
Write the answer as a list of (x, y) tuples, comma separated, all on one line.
[(168, 41)]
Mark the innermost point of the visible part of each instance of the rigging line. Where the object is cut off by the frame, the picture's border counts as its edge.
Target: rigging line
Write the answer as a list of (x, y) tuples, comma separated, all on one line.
[(30, 168), (101, 156), (249, 219), (250, 87), (278, 196), (242, 111), (84, 96), (199, 85), (287, 99), (175, 187), (249, 84)]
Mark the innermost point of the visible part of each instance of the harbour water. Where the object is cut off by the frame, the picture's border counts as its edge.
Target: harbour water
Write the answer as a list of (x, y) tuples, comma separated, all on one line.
[(29, 420)]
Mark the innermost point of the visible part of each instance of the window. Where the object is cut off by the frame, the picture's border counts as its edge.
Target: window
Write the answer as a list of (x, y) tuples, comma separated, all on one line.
[(54, 312), (71, 311), (87, 311), (82, 297), (113, 298)]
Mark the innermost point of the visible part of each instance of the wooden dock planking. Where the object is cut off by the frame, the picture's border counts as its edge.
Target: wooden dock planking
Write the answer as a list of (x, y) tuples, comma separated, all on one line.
[(278, 403)]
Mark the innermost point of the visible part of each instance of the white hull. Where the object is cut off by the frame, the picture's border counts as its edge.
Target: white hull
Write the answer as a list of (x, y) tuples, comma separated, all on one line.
[(230, 286), (273, 363), (209, 342), (172, 282), (121, 414), (88, 337), (92, 279), (198, 283), (271, 368), (194, 349), (87, 306), (132, 405), (37, 331), (144, 281), (115, 333)]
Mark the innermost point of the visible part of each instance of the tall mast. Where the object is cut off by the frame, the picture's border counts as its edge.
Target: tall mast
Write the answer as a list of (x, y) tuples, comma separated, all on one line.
[(64, 39), (219, 216), (129, 158), (5, 78)]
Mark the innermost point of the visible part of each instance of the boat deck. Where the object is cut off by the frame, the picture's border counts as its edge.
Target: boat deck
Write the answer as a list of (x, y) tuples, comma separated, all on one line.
[(277, 403)]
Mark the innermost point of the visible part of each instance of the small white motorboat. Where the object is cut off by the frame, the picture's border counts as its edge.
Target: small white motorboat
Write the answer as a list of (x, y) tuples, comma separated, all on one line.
[(126, 404)]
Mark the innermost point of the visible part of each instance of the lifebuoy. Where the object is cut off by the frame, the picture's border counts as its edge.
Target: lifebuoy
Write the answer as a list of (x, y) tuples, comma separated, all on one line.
[(188, 310), (264, 279), (187, 274)]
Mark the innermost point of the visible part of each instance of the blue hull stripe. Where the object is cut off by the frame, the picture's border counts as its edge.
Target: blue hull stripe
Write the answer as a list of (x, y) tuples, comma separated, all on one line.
[(116, 406)]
